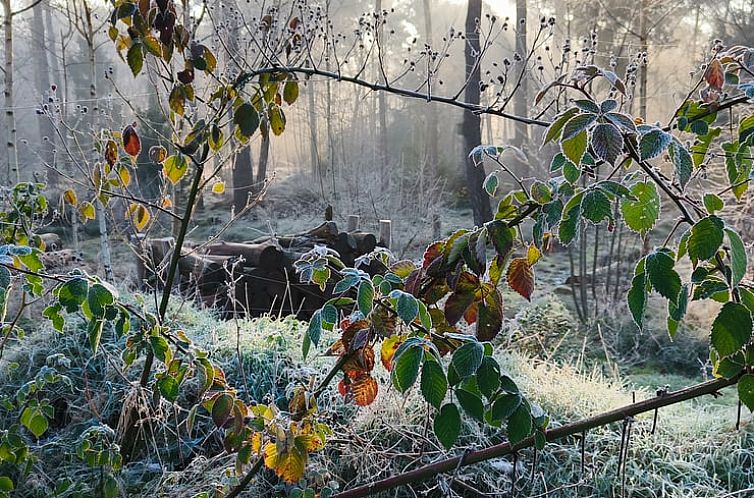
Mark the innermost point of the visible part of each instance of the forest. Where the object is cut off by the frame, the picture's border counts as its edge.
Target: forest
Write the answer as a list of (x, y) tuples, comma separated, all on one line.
[(389, 248)]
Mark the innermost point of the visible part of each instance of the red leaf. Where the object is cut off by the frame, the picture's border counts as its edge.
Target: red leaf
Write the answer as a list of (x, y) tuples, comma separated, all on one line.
[(432, 252), (715, 74), (490, 316), (343, 387), (131, 141), (521, 277)]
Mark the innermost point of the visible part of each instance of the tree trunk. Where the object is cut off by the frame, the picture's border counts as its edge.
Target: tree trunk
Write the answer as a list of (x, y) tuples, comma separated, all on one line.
[(243, 165), (382, 96), (46, 131), (313, 143), (471, 126), (431, 140), (521, 99), (643, 38), (12, 173), (104, 237)]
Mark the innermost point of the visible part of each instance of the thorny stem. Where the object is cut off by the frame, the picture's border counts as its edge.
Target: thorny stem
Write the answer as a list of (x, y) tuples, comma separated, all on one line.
[(564, 431)]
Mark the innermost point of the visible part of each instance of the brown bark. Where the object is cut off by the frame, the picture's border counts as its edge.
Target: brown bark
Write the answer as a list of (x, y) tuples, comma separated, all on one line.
[(471, 127)]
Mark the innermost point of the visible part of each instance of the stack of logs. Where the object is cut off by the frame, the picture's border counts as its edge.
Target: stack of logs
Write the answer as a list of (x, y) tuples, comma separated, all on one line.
[(255, 277)]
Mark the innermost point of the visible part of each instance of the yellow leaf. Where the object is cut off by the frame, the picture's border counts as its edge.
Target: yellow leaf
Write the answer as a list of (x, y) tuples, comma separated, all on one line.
[(533, 255), (389, 347), (139, 215), (69, 196), (218, 188), (87, 210), (167, 203), (175, 167), (256, 442), (287, 461), (124, 175)]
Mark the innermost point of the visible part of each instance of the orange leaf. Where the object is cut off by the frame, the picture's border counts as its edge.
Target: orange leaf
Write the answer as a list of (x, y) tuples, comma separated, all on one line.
[(521, 277), (364, 390), (715, 74), (158, 154), (131, 141), (471, 313)]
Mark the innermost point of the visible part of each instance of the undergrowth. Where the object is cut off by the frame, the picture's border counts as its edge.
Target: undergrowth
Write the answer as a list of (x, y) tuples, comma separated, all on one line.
[(694, 452)]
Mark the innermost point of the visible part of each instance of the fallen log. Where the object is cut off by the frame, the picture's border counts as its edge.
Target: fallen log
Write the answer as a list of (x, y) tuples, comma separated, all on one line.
[(266, 255)]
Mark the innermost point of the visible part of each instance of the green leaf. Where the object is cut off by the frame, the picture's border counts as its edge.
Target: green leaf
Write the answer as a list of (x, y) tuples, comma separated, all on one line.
[(290, 91), (595, 206), (161, 348), (705, 239), (169, 388), (501, 236), (34, 420), (576, 125), (653, 143), (738, 259), (607, 142), (447, 425), (746, 129), (505, 405), (467, 359), (407, 307), (731, 330), (575, 147), (6, 484), (365, 297), (637, 298), (491, 183), (221, 409), (216, 138), (406, 367), (662, 276), (314, 331), (519, 424), (135, 58), (246, 118), (641, 214), (738, 166), (701, 146), (100, 296), (713, 203), (94, 331), (682, 162), (556, 128), (569, 224), (277, 120), (73, 293), (488, 376), (434, 384), (746, 391), (471, 404)]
